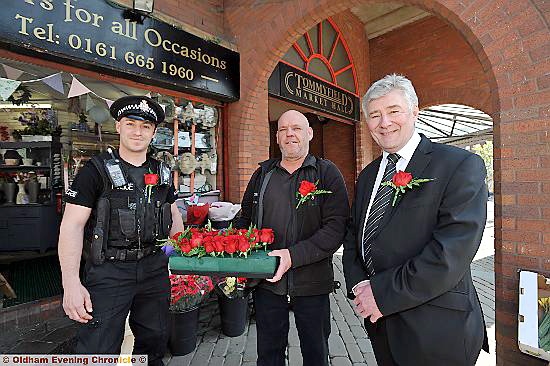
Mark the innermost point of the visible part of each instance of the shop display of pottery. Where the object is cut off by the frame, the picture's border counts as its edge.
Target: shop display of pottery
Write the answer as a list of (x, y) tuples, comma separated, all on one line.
[(187, 163), (167, 158)]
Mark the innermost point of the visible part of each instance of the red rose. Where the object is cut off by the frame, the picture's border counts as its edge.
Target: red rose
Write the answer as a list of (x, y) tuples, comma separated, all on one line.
[(185, 245), (207, 240), (209, 247), (306, 188), (254, 236), (176, 235), (244, 245), (241, 279), (185, 248), (196, 241), (151, 179), (266, 235), (231, 244), (401, 179), (218, 243)]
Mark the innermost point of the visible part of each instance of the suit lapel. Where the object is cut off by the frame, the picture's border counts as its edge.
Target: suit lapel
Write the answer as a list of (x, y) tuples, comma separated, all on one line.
[(419, 161)]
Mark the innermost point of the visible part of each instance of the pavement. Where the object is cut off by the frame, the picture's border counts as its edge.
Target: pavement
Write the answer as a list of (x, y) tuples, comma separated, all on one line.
[(348, 343)]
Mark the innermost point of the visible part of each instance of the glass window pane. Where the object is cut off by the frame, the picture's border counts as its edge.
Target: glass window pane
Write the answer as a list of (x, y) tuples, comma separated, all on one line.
[(294, 58), (329, 35), (345, 80), (317, 67), (340, 57), (313, 35), (303, 45)]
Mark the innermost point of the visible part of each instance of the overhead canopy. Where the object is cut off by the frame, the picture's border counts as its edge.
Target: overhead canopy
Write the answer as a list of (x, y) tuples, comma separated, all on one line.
[(455, 124)]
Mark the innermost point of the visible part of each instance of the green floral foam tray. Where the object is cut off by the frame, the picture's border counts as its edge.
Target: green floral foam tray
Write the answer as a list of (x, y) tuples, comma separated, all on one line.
[(256, 265)]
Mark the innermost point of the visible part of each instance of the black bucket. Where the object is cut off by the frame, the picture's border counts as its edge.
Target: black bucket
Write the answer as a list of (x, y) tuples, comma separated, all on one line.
[(183, 333), (234, 314)]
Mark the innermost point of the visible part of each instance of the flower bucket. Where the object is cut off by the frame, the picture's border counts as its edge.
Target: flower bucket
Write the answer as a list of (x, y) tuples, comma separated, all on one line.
[(183, 333), (234, 315)]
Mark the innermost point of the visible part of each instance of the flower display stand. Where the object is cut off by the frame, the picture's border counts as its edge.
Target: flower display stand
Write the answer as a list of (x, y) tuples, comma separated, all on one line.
[(256, 265), (183, 333)]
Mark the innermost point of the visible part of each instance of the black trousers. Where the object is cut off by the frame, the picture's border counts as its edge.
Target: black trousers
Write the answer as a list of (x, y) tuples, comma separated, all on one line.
[(312, 315), (379, 340), (116, 288)]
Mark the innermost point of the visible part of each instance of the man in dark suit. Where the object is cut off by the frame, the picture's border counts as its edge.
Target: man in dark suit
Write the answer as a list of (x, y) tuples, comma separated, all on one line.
[(407, 261)]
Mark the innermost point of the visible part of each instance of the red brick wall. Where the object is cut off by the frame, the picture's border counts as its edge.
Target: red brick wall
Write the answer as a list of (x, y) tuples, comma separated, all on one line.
[(510, 38), (441, 65), (250, 114), (357, 41), (316, 144), (511, 41), (338, 145), (493, 55), (193, 15)]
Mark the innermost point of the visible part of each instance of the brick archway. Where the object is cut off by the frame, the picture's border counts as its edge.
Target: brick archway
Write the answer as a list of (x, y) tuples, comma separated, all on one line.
[(276, 27), (511, 40)]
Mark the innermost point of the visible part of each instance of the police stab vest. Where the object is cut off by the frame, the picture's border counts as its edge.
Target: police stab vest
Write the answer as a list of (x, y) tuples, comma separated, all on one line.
[(135, 219)]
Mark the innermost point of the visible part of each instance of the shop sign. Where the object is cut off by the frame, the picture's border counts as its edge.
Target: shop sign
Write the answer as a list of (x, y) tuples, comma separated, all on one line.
[(297, 86), (93, 34)]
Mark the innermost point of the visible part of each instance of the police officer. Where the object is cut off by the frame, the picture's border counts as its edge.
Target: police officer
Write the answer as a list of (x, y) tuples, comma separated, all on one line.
[(119, 204)]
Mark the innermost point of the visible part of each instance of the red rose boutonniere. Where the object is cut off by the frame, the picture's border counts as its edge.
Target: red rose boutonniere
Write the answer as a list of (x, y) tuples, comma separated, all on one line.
[(402, 181), (308, 191), (151, 180)]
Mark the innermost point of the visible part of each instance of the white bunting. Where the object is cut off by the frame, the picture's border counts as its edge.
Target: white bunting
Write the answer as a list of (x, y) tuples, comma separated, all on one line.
[(77, 88), (7, 87)]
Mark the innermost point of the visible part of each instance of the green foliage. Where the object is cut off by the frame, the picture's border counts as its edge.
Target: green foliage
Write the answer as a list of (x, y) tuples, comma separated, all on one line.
[(82, 118), (43, 127), (485, 151)]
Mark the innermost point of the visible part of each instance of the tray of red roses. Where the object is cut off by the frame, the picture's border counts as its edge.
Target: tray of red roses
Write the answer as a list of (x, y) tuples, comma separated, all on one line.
[(226, 252)]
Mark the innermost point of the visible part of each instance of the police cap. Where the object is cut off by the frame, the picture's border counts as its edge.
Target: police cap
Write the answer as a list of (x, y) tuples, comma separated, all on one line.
[(137, 107)]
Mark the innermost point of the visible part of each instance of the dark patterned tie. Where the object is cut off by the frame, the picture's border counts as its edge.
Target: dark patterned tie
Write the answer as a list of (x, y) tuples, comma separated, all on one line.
[(381, 202)]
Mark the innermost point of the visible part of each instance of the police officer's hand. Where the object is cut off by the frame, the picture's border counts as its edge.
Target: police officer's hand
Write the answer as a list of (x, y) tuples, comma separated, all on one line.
[(77, 303), (284, 263)]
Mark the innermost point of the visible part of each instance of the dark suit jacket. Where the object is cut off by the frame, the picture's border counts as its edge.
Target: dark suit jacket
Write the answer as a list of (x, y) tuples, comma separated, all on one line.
[(422, 253)]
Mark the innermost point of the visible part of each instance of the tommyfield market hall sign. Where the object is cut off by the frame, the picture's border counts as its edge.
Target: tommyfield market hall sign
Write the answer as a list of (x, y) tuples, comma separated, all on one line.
[(93, 34), (294, 85)]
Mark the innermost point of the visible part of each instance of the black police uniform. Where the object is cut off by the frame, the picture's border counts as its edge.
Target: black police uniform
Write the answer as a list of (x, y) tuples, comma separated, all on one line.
[(131, 274), (134, 275)]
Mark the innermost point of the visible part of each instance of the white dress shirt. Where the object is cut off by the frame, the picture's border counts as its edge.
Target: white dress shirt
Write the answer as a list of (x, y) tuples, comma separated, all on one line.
[(405, 156)]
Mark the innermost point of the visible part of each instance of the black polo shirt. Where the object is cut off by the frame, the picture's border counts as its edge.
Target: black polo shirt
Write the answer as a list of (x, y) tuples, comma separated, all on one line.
[(278, 210)]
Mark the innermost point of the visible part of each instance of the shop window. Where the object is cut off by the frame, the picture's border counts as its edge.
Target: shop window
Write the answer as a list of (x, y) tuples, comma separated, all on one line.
[(191, 151), (83, 128)]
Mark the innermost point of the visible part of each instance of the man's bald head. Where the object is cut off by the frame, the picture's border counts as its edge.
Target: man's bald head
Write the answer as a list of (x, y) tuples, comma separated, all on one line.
[(293, 115), (293, 135)]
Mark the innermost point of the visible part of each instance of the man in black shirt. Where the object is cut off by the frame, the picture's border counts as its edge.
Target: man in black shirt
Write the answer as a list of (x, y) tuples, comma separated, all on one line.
[(119, 204), (307, 233)]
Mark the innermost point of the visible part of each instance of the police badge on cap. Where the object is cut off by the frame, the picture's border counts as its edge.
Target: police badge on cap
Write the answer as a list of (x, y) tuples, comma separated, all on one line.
[(137, 107)]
